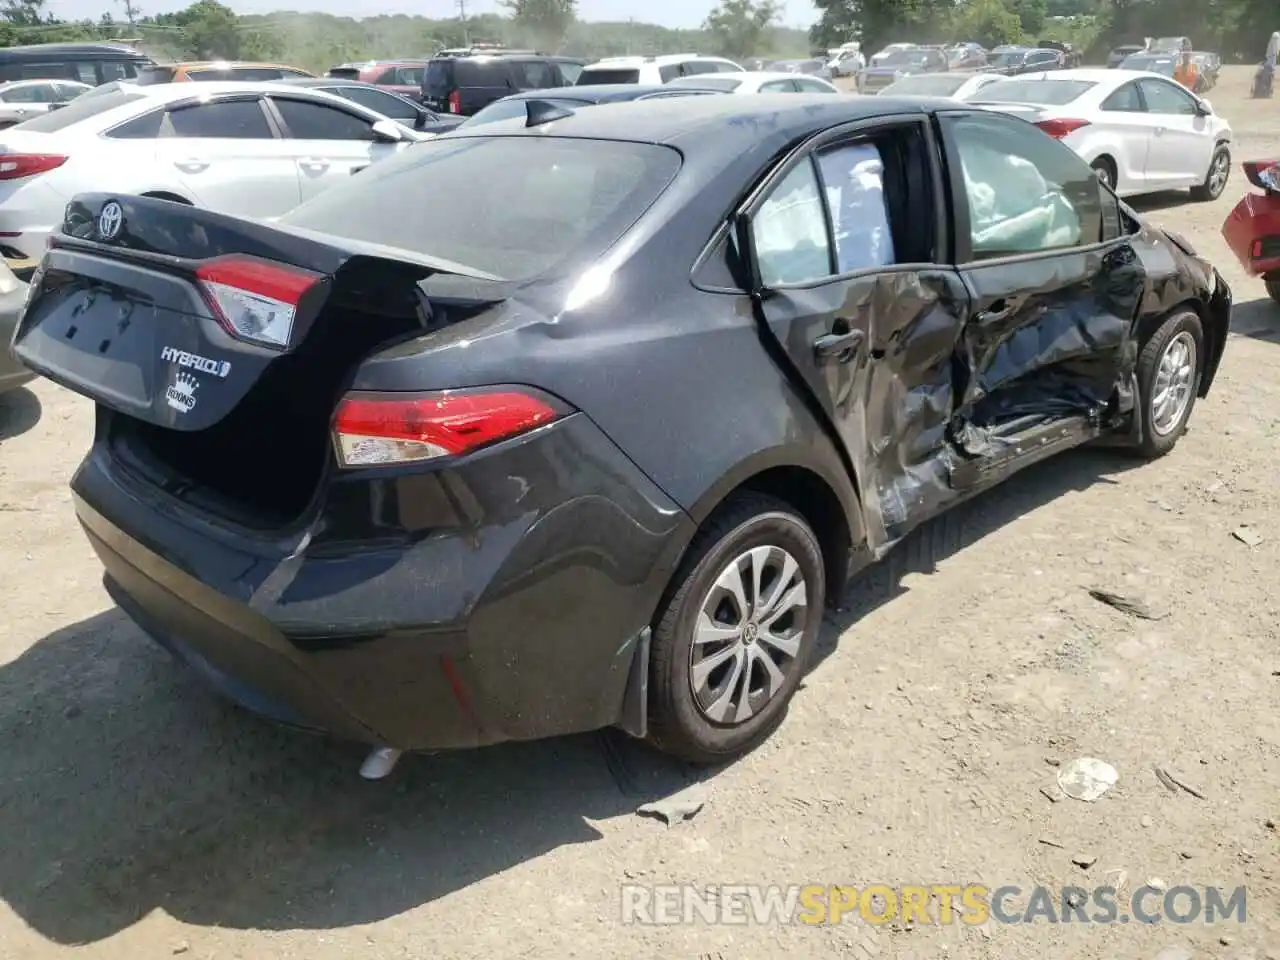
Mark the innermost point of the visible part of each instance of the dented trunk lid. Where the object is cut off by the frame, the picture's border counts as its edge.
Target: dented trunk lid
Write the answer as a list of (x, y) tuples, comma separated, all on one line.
[(118, 313)]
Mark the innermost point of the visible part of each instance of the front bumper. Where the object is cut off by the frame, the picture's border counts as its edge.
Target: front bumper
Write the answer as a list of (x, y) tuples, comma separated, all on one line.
[(515, 610)]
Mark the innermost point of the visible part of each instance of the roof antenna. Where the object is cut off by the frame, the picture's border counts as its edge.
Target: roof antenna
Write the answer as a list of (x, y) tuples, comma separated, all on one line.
[(538, 112)]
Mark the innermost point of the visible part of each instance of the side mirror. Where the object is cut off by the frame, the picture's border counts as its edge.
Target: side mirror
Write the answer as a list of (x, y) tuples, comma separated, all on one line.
[(420, 119), (1204, 108), (387, 131)]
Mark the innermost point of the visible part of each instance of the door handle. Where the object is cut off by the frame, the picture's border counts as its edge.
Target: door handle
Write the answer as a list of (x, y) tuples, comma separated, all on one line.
[(1160, 131), (997, 311), (192, 164), (314, 163), (841, 346)]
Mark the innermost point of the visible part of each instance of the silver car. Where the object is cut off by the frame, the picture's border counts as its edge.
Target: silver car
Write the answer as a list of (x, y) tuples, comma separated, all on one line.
[(13, 297), (23, 99)]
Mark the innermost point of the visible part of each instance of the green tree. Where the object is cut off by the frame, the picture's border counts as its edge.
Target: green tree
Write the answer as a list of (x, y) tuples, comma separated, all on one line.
[(1031, 14), (23, 13), (989, 22), (545, 22), (738, 27)]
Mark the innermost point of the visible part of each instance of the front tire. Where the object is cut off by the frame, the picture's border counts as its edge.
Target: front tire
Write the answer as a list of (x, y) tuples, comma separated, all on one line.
[(1215, 181), (1273, 287), (1168, 378), (733, 637)]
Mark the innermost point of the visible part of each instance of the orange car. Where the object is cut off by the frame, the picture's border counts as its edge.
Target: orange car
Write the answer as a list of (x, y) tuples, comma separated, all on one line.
[(217, 70)]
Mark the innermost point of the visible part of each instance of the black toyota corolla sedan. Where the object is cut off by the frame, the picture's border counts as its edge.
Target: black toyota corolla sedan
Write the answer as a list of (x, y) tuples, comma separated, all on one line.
[(580, 422)]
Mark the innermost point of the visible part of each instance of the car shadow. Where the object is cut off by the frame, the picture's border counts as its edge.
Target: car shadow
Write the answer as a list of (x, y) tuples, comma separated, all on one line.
[(963, 526), (1258, 319), (1156, 202), (20, 410), (125, 788)]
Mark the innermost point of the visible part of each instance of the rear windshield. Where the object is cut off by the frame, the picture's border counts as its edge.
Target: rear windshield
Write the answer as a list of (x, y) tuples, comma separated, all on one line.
[(515, 207), (437, 75), (607, 75), (1047, 93), (81, 108), (150, 75), (932, 85), (511, 109)]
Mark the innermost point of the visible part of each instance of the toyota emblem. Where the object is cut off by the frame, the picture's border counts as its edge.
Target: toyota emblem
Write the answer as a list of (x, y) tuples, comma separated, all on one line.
[(110, 220)]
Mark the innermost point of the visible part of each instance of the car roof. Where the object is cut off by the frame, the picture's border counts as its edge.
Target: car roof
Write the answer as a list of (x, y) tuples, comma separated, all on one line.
[(183, 90), (737, 123), (660, 60), (592, 92), (91, 49)]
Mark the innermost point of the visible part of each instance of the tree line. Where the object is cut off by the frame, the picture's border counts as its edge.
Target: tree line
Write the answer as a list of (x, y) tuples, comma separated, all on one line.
[(1237, 29)]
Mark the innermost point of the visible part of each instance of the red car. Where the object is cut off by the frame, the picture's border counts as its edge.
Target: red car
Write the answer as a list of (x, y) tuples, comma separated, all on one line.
[(1252, 229), (401, 76)]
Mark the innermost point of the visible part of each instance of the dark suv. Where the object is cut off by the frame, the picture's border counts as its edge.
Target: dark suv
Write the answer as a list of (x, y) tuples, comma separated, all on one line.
[(468, 83)]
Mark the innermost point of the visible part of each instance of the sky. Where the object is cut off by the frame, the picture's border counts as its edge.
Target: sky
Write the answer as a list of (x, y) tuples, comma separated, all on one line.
[(670, 13)]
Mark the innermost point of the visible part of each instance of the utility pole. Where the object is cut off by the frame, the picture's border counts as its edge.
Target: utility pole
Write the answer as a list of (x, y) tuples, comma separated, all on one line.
[(131, 11), (462, 15)]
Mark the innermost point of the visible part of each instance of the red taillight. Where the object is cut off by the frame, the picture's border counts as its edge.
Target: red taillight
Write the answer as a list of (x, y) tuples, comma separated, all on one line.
[(1059, 127), (15, 166), (375, 429), (455, 102), (253, 299)]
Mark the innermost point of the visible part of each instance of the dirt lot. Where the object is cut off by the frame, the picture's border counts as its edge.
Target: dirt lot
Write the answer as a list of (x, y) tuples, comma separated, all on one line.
[(141, 818)]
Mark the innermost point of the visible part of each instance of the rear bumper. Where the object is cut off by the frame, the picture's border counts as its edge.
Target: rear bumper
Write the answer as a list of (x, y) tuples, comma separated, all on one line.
[(522, 621), (12, 373), (29, 212)]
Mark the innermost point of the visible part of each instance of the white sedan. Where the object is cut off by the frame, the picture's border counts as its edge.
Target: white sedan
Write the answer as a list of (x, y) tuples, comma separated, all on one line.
[(756, 81), (250, 149), (1141, 132), (956, 85)]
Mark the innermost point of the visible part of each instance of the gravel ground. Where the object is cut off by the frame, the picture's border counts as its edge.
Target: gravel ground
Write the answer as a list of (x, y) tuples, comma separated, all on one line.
[(142, 818)]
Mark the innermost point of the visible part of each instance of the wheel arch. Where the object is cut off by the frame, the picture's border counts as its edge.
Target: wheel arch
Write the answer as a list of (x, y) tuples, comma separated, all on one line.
[(818, 488), (1214, 315)]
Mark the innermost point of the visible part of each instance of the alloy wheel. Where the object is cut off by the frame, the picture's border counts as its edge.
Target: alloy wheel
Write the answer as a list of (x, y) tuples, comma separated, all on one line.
[(1175, 378), (748, 634), (1218, 172)]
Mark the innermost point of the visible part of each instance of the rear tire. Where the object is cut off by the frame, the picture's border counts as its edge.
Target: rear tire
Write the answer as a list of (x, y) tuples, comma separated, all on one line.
[(1273, 288), (1104, 168), (723, 671), (1169, 368), (1215, 181)]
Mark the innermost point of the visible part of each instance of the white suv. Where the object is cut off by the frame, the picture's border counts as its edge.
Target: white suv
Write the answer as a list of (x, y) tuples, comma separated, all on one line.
[(653, 70)]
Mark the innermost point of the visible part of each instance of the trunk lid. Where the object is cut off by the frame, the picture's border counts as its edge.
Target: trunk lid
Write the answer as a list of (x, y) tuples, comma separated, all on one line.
[(118, 312), (130, 306)]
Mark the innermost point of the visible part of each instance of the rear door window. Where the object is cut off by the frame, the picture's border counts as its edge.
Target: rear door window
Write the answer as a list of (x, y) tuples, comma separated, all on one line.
[(534, 74), (488, 73), (109, 70), (612, 75), (320, 121), (407, 76), (227, 119), (778, 86), (570, 71), (1124, 100), (790, 231)]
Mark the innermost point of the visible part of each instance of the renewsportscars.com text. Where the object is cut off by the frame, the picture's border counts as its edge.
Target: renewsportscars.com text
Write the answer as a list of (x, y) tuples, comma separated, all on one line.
[(969, 904)]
